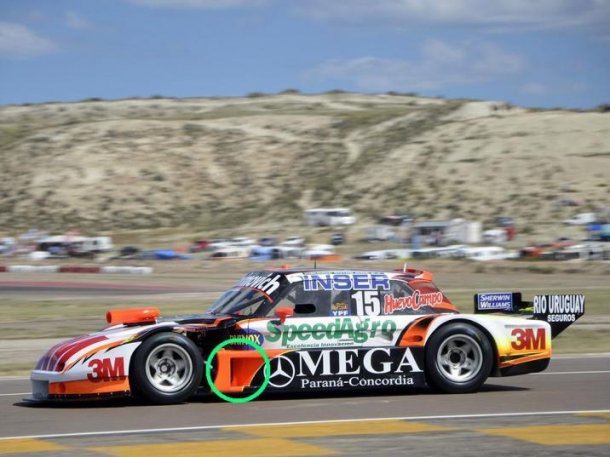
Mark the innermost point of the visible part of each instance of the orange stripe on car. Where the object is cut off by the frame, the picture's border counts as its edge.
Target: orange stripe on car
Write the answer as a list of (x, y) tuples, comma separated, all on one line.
[(60, 365), (83, 387), (416, 332), (93, 351), (524, 359)]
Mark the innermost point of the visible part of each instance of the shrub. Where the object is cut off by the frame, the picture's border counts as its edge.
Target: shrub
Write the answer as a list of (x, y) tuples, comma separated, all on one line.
[(604, 108)]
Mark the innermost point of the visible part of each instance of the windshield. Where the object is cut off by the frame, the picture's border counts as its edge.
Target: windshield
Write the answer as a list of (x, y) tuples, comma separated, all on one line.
[(241, 301)]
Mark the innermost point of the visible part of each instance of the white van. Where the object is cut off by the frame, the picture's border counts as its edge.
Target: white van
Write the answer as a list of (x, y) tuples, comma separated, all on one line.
[(329, 216), (581, 219), (75, 243), (97, 244), (231, 252), (484, 253), (495, 236), (379, 233)]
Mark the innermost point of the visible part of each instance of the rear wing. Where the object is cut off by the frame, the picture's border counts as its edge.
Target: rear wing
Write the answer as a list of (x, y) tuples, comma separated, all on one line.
[(560, 311)]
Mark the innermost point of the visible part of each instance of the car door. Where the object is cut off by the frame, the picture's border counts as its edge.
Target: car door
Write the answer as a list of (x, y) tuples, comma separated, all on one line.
[(344, 341), (330, 322)]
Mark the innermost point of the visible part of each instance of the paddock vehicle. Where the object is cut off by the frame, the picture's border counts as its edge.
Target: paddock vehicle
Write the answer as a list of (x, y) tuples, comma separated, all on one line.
[(320, 330)]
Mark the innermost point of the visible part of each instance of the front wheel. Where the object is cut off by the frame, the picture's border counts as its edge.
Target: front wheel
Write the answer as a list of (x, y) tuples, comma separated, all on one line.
[(166, 368), (459, 358)]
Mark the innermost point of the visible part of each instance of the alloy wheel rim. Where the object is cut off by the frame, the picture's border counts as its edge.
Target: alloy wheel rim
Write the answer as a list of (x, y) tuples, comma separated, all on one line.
[(459, 358), (169, 368)]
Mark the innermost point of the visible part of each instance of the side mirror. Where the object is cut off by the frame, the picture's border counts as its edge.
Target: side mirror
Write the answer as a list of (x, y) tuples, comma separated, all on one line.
[(305, 308), (283, 313)]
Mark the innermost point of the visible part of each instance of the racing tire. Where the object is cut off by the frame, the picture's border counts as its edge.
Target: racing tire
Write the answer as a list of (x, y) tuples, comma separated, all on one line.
[(459, 358), (166, 368)]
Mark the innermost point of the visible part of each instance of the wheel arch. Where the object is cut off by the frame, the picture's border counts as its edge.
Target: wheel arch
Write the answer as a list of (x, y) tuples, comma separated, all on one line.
[(172, 328)]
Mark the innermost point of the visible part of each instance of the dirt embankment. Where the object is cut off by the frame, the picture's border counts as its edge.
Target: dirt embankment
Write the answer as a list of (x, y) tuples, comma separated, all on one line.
[(218, 164)]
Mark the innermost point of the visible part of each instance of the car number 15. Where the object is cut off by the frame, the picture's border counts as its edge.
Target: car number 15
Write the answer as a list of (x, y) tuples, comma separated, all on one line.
[(367, 303)]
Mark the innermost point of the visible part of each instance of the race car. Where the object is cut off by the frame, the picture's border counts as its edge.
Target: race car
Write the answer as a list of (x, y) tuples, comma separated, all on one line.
[(310, 330)]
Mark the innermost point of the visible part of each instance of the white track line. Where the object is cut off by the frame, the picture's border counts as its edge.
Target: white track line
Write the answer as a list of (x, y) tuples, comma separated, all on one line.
[(328, 421), (588, 355), (570, 372), (15, 395)]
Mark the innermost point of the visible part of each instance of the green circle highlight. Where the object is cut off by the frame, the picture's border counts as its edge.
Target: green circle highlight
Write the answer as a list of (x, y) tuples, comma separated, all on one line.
[(267, 370)]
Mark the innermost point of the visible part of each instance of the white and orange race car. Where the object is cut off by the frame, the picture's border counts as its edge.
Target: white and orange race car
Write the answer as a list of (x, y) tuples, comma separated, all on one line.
[(310, 330)]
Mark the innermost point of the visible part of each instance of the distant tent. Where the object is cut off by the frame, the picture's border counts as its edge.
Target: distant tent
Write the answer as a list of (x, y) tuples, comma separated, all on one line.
[(169, 254)]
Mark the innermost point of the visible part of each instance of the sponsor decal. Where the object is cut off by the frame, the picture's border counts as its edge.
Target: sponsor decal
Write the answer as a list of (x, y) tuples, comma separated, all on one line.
[(294, 277), (106, 368), (559, 308), (340, 329), (267, 284), (283, 372), (528, 339), (345, 281), (367, 302), (55, 359), (339, 309), (346, 368), (498, 301), (244, 335), (392, 304)]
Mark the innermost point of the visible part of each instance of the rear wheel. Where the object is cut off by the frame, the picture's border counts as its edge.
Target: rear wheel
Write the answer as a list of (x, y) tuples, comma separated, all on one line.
[(166, 368), (459, 358)]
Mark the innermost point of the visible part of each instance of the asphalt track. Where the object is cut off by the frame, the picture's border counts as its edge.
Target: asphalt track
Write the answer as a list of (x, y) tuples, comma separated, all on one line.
[(562, 411), (578, 386)]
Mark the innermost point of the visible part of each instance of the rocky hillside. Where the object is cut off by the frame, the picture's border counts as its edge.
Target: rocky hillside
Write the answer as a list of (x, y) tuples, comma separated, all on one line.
[(229, 162)]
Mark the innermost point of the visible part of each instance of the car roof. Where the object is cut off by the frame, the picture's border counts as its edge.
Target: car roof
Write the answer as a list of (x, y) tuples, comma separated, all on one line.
[(402, 273)]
